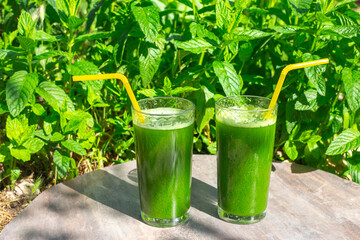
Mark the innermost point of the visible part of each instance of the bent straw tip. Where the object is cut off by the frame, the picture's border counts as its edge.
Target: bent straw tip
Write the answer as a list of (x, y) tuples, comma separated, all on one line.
[(292, 67), (324, 60)]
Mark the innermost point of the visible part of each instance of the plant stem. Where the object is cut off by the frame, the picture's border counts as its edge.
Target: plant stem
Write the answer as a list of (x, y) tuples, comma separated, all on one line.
[(335, 100), (317, 34), (346, 120), (183, 18), (13, 163), (55, 175), (194, 10), (179, 60), (314, 44), (70, 45), (201, 58), (29, 59)]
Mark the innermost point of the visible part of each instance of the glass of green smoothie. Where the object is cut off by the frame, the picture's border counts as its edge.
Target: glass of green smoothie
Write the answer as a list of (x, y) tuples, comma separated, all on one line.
[(164, 131), (245, 132)]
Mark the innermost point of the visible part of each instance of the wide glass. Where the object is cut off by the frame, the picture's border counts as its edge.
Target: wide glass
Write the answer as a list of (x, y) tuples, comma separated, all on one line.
[(164, 141), (245, 131)]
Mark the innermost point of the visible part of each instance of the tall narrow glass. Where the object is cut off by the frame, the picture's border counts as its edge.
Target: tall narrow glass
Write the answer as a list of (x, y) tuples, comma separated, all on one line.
[(245, 143), (164, 142)]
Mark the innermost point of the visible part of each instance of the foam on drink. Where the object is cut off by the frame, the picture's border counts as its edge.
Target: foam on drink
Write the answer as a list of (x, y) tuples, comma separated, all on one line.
[(247, 116), (169, 118)]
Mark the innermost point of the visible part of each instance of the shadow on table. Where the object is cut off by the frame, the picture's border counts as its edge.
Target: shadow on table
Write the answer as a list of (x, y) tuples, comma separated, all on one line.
[(204, 197), (273, 168), (132, 175), (109, 190), (295, 167), (34, 234), (298, 168)]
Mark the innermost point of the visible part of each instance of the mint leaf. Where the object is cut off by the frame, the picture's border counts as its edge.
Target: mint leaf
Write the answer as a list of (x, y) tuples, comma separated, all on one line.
[(50, 54), (43, 36), (351, 81), (73, 146), (83, 67), (26, 25), (290, 150), (195, 45), (346, 141), (310, 100), (14, 129), (353, 166), (245, 35), (147, 15), (56, 137), (315, 73), (208, 114), (240, 4), (20, 154), (13, 173), (75, 22), (76, 120), (93, 36), (222, 14), (68, 7), (340, 4), (18, 129), (287, 29), (290, 117), (245, 51), (5, 154), (199, 30), (212, 148), (229, 80), (187, 3), (55, 96), (62, 163), (180, 90), (5, 53), (38, 109), (33, 145), (300, 7), (151, 92), (27, 43), (149, 62), (19, 89), (344, 31)]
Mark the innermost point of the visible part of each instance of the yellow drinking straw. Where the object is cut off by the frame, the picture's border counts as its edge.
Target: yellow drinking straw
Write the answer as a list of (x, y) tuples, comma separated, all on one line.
[(283, 75), (119, 76), (123, 79)]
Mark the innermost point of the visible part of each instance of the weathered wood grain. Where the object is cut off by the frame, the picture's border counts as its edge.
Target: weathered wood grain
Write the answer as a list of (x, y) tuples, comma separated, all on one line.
[(304, 203)]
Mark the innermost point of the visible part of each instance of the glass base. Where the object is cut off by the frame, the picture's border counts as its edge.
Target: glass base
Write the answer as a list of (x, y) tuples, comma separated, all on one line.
[(169, 222), (240, 219)]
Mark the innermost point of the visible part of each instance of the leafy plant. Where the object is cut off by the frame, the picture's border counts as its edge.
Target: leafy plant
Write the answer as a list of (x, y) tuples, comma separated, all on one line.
[(201, 50)]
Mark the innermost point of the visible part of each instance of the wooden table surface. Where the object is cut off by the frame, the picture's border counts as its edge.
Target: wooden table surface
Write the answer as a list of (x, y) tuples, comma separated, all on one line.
[(304, 203)]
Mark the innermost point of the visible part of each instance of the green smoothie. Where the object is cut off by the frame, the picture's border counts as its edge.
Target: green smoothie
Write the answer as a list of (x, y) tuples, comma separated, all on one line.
[(163, 155), (244, 155)]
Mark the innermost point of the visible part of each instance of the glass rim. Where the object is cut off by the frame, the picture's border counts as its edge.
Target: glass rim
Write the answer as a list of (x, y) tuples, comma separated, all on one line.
[(246, 96), (192, 106)]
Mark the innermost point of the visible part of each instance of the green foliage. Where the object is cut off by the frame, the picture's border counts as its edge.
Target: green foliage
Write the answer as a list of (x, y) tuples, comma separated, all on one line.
[(228, 78), (346, 141), (147, 16), (200, 50), (19, 89)]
